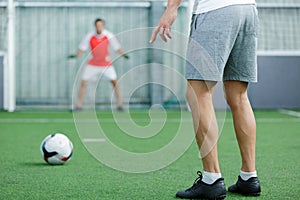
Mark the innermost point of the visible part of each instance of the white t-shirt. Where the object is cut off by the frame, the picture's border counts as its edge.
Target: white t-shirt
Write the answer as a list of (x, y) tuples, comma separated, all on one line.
[(203, 6)]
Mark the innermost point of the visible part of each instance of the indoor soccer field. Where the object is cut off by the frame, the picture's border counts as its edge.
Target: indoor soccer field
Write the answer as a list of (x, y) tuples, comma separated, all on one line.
[(95, 103), (25, 175)]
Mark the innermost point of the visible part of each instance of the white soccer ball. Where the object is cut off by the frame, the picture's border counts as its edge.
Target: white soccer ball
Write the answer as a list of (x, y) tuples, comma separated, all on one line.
[(56, 149)]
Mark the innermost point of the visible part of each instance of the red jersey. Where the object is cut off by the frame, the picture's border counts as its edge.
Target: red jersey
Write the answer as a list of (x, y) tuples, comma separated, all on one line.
[(99, 47)]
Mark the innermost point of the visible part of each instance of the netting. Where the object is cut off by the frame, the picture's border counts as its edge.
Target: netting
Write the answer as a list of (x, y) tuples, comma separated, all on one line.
[(46, 35), (3, 29), (279, 29)]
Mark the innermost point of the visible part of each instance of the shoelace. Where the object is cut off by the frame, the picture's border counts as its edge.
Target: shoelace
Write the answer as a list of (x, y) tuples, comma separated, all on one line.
[(199, 178)]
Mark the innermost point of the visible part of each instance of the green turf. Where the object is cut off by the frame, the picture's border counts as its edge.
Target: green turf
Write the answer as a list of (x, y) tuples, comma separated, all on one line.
[(24, 175)]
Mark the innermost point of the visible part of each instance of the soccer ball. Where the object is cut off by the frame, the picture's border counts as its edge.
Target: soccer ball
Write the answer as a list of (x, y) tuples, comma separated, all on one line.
[(56, 149)]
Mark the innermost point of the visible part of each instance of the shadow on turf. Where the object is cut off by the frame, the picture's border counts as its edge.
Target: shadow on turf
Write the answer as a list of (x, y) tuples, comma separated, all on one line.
[(234, 196), (37, 164)]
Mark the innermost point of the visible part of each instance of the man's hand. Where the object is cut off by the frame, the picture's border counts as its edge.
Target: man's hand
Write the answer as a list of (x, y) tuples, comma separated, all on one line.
[(164, 25), (72, 56), (126, 56), (79, 53), (121, 52)]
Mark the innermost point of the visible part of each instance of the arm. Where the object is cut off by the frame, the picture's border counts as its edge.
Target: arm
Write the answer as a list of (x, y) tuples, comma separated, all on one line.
[(116, 45), (164, 25), (121, 52), (83, 46), (79, 53)]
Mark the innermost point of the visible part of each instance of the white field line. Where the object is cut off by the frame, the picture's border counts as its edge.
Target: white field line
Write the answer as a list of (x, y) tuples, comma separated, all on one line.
[(126, 120), (289, 112), (93, 140)]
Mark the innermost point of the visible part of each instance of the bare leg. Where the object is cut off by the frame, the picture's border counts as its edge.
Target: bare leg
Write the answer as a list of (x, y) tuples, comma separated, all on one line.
[(244, 121), (117, 92), (199, 96), (81, 93)]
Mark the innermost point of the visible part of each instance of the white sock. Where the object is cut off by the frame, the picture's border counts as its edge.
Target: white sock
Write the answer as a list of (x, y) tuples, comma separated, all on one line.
[(210, 178), (246, 175)]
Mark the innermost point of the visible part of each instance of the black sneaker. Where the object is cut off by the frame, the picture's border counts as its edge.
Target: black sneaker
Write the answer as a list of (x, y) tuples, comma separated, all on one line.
[(201, 190), (251, 187), (120, 109), (76, 109)]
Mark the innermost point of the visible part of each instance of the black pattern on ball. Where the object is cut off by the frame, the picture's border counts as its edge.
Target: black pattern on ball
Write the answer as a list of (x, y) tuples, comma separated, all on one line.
[(48, 154)]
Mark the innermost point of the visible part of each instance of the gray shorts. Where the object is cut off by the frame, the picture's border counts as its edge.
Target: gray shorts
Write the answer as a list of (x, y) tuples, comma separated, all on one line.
[(222, 45)]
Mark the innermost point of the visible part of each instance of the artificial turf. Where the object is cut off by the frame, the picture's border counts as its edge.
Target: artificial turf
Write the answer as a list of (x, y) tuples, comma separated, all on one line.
[(24, 174)]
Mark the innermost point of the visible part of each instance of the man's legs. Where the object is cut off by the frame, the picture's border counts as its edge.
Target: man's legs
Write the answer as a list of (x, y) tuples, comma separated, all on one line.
[(245, 130), (199, 97), (211, 185), (244, 122), (117, 92), (81, 93)]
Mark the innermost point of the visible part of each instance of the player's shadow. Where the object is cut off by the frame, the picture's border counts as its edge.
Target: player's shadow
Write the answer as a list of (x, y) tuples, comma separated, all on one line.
[(234, 196), (35, 164)]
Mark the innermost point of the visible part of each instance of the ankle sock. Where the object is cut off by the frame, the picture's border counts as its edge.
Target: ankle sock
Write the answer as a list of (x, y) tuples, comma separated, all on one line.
[(210, 178), (246, 175)]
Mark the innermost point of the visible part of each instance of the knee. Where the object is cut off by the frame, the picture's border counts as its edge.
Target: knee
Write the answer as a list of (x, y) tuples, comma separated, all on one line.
[(200, 96), (114, 83), (83, 83), (188, 94), (237, 100)]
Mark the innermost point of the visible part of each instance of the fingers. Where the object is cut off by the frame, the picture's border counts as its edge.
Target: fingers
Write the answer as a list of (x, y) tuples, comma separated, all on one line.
[(162, 32), (168, 33), (154, 34)]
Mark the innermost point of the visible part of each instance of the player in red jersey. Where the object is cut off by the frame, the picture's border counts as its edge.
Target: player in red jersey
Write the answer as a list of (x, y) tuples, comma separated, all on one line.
[(99, 64)]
